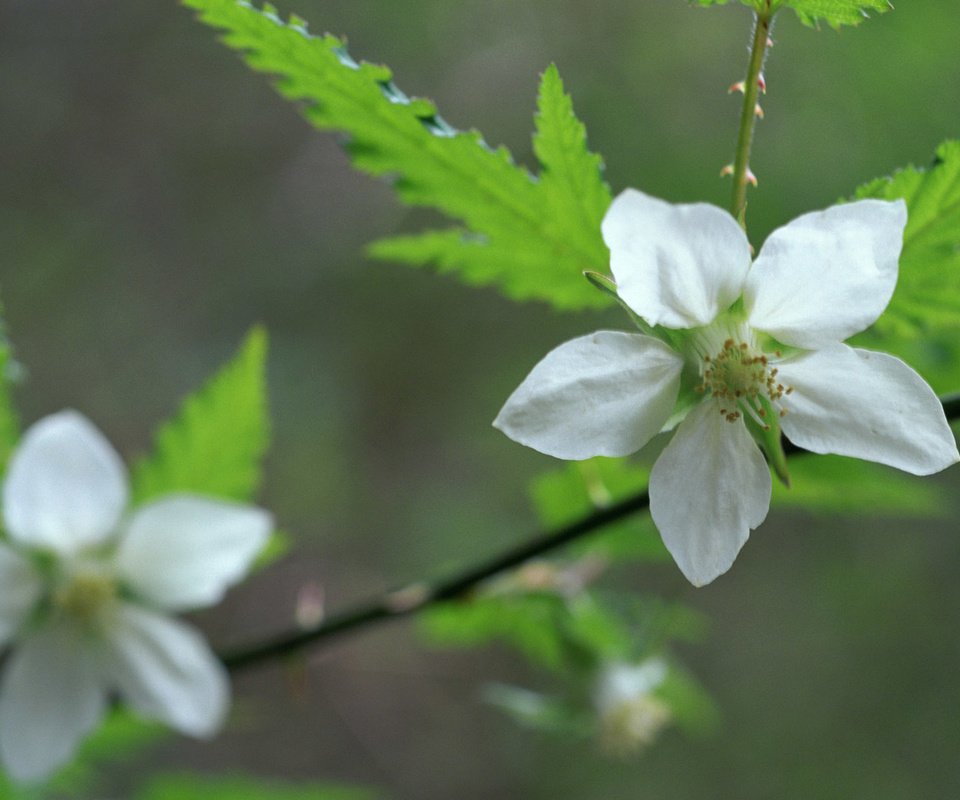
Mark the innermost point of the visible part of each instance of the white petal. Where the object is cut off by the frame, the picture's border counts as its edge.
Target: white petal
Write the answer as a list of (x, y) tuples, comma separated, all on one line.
[(20, 590), (183, 552), (605, 394), (708, 490), (827, 275), (621, 682), (675, 265), (866, 405), (165, 671), (51, 697), (65, 487)]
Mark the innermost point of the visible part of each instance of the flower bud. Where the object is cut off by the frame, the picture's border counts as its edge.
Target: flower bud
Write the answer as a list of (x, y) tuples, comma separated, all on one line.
[(630, 716)]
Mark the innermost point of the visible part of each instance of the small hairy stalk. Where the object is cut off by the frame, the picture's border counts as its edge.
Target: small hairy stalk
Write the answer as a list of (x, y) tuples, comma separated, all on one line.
[(763, 23)]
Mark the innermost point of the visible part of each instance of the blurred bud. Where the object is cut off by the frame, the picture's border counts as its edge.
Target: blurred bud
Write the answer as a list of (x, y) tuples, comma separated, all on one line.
[(408, 598), (310, 606), (739, 86), (630, 716), (567, 580)]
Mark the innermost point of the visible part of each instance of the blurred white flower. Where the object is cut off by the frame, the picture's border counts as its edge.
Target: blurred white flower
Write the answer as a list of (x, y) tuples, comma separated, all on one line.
[(84, 592), (730, 348), (630, 715)]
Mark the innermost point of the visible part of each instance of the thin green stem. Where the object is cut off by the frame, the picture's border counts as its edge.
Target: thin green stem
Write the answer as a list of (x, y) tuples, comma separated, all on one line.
[(748, 116)]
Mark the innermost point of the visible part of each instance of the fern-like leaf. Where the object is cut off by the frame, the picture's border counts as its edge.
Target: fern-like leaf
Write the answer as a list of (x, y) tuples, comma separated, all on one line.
[(526, 236), (215, 443), (928, 289), (834, 13)]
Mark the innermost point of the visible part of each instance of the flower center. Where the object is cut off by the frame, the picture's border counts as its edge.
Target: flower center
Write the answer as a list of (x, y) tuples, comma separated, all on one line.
[(632, 723), (85, 594), (740, 377)]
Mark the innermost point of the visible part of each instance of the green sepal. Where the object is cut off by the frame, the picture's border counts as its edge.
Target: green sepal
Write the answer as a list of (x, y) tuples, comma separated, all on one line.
[(769, 438), (603, 282), (687, 400), (608, 286)]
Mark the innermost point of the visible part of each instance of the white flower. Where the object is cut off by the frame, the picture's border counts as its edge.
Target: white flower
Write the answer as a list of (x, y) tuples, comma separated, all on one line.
[(84, 591), (630, 715), (732, 347)]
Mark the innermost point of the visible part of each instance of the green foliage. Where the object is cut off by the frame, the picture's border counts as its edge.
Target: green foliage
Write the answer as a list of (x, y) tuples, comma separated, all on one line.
[(536, 623), (120, 737), (833, 484), (532, 238), (572, 713), (9, 422), (811, 12), (215, 443), (827, 484), (570, 176), (928, 289), (540, 712), (200, 787), (576, 636), (922, 323), (578, 488), (692, 708), (558, 625), (836, 12)]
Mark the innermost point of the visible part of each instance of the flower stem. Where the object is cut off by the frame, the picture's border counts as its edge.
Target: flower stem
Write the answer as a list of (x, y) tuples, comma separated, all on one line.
[(419, 596), (748, 116)]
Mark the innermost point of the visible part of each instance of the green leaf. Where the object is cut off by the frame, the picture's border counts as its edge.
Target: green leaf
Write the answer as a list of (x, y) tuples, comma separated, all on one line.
[(120, 737), (215, 443), (9, 421), (202, 787), (921, 324), (811, 12), (570, 175), (834, 484), (928, 288), (836, 12), (691, 705), (531, 622), (540, 712), (578, 488), (597, 629), (563, 631), (532, 238)]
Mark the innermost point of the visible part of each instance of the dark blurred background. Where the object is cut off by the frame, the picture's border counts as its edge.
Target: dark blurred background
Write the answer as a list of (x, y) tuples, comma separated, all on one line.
[(157, 198)]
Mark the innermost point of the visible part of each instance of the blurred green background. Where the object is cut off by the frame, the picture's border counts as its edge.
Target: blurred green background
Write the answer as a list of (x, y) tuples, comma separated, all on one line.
[(157, 198)]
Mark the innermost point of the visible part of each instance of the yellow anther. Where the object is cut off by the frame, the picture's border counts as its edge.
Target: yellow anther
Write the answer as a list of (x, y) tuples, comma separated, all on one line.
[(85, 595), (740, 377)]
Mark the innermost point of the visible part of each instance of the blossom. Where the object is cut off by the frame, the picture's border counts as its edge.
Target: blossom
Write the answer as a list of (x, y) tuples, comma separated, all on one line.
[(735, 351), (84, 591), (630, 714)]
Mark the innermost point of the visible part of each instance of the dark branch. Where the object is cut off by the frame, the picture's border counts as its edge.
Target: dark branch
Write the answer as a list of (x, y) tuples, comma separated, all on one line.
[(418, 596)]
